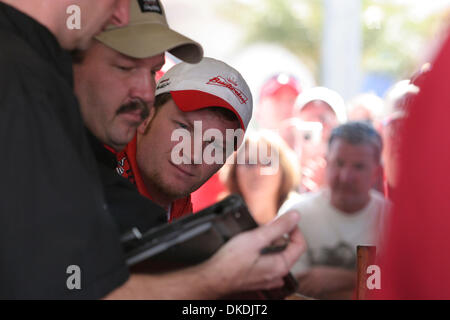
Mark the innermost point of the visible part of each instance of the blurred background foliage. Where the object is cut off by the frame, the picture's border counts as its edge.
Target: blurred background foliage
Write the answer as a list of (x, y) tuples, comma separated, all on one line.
[(394, 34)]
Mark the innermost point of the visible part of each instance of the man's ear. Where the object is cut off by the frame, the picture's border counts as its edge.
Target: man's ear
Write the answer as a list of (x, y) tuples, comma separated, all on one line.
[(143, 127)]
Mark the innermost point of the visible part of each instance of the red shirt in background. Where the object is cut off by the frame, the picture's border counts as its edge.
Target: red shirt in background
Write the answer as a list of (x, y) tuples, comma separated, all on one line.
[(208, 193)]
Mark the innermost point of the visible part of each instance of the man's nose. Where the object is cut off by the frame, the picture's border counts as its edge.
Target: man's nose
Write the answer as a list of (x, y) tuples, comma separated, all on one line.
[(143, 87), (196, 151), (346, 174), (121, 14)]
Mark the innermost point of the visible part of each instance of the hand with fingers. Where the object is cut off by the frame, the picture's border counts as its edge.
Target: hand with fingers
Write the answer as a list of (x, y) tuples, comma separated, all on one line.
[(240, 265)]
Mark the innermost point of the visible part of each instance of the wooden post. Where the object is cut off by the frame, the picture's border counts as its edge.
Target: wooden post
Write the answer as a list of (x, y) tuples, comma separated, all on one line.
[(365, 257)]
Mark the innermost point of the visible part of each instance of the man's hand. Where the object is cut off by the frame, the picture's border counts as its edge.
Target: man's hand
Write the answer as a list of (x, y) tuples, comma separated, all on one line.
[(321, 281), (239, 265)]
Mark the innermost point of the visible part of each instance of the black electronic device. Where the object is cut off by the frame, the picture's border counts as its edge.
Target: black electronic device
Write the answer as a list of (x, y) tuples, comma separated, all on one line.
[(193, 239)]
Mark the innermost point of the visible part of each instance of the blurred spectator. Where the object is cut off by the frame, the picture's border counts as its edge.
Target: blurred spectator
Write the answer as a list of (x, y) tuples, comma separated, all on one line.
[(319, 110), (266, 178), (320, 104), (398, 96), (419, 77), (398, 99), (335, 220), (367, 107), (276, 100)]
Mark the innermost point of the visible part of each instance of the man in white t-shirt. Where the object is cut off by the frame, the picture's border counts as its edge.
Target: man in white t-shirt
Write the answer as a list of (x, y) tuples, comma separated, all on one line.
[(347, 213)]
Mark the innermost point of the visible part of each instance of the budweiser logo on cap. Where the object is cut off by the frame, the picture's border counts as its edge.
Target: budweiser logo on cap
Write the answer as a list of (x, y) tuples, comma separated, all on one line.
[(231, 85), (163, 83)]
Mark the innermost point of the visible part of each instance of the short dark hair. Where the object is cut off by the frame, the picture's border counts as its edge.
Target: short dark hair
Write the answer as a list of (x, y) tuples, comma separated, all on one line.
[(161, 99), (357, 132)]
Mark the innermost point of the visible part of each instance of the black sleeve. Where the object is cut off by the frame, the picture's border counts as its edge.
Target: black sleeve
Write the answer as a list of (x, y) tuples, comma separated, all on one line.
[(52, 208), (129, 208)]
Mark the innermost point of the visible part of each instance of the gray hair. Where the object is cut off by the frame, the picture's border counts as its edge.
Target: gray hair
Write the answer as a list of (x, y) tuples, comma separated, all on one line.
[(358, 133)]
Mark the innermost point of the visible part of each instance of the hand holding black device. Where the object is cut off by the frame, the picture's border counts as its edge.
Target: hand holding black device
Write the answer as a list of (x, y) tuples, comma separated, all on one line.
[(194, 239)]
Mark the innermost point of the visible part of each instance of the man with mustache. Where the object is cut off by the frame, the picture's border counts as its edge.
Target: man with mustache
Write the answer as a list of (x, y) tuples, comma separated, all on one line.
[(114, 81), (336, 219), (115, 84), (52, 208)]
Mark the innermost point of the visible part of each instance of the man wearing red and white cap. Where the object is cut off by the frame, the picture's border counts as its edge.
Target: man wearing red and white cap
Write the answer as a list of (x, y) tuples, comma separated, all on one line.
[(276, 100), (193, 98), (319, 110)]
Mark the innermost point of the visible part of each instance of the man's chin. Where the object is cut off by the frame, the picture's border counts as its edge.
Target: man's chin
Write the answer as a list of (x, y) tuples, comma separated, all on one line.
[(120, 143), (85, 43), (175, 191)]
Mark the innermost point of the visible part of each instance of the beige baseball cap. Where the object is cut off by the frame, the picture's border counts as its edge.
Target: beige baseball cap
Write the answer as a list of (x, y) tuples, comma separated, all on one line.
[(148, 34)]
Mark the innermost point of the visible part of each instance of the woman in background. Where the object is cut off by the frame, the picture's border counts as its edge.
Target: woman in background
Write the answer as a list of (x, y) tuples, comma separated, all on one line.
[(264, 171)]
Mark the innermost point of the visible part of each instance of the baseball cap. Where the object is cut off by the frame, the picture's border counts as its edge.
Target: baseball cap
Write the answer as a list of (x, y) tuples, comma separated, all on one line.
[(278, 81), (330, 97), (148, 34), (209, 83)]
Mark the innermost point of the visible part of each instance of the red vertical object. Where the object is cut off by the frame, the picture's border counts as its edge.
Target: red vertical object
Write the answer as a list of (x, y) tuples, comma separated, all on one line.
[(365, 257), (416, 262), (208, 193)]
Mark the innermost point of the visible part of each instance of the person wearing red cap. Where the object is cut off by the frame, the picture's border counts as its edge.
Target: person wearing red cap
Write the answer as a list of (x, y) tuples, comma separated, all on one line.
[(276, 103), (210, 93), (322, 109), (276, 100)]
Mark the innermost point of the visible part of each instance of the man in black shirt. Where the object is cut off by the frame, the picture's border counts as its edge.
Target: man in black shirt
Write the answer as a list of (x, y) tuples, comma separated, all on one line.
[(52, 209)]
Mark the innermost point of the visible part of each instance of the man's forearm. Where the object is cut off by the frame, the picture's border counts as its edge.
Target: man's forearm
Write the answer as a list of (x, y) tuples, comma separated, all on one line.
[(190, 283), (339, 295), (237, 267), (321, 281)]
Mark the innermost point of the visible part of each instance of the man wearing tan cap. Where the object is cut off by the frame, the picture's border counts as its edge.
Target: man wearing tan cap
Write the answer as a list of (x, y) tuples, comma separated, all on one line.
[(116, 90), (114, 82)]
